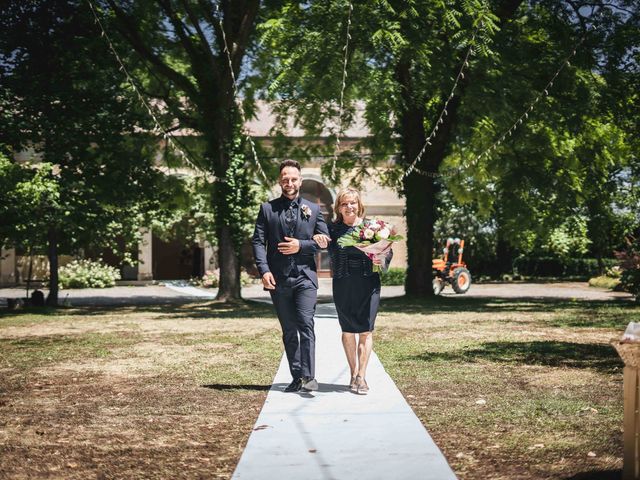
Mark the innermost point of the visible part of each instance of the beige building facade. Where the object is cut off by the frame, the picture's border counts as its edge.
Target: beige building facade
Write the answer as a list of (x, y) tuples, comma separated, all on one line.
[(161, 260)]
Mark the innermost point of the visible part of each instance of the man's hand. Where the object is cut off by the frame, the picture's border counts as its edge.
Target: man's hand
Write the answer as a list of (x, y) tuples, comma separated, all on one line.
[(322, 240), (268, 281), (291, 246)]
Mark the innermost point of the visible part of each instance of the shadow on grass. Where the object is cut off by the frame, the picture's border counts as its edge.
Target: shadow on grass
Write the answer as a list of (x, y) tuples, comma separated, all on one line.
[(176, 308), (68, 342), (552, 353), (225, 386), (212, 309), (621, 307), (410, 304)]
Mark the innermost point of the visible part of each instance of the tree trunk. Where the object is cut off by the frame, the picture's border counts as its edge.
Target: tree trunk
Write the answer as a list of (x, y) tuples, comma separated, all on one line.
[(504, 255), (52, 237), (421, 190), (420, 214), (225, 197), (211, 94), (229, 287)]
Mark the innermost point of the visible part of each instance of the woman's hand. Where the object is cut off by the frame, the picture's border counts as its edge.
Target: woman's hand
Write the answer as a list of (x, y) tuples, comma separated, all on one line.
[(378, 260), (322, 240)]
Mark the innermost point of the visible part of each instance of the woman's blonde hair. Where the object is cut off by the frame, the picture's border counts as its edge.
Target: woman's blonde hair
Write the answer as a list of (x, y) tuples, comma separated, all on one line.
[(348, 192)]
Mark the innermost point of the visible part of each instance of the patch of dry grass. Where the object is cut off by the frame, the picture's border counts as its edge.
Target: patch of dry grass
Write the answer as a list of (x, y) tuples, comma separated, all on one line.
[(512, 389), (509, 389), (149, 392)]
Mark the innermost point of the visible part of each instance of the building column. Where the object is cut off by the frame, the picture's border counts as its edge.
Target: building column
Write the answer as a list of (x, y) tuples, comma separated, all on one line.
[(145, 255), (209, 257), (8, 266)]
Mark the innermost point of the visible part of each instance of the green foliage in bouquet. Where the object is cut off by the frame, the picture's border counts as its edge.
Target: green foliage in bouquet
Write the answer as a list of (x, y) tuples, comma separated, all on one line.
[(88, 274)]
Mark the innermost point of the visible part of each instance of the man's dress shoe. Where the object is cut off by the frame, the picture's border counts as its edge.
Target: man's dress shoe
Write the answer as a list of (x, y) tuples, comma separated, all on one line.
[(294, 386), (309, 384)]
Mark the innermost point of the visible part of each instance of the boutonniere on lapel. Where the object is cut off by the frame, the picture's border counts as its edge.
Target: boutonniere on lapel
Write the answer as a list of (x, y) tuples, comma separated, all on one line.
[(305, 211)]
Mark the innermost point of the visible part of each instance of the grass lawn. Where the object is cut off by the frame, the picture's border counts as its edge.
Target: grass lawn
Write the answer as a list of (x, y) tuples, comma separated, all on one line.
[(509, 389), (512, 389), (149, 392)]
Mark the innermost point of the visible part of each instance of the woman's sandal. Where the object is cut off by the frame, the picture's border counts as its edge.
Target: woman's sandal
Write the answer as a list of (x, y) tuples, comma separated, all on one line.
[(361, 386), (353, 386)]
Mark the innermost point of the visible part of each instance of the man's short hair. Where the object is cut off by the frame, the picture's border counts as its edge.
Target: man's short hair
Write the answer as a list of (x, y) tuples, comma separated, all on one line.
[(290, 163)]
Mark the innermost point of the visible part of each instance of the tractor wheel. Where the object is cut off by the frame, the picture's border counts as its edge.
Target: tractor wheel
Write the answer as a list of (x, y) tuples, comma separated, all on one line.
[(461, 280), (438, 286)]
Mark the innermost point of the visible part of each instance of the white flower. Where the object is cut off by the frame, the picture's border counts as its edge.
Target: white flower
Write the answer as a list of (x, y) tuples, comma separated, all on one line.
[(384, 233), (368, 233), (306, 211)]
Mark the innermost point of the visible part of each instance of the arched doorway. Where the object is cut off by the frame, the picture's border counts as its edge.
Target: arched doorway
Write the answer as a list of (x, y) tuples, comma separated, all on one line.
[(315, 191)]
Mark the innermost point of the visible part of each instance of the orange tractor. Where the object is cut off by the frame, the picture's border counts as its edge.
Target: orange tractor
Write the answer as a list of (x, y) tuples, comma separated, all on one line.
[(450, 269)]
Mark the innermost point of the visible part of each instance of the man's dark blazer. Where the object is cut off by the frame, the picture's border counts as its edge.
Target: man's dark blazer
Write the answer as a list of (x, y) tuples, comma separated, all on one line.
[(270, 230)]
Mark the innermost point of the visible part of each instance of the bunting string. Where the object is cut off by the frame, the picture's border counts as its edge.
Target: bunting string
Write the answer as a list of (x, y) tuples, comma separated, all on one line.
[(234, 83), (166, 135), (443, 112), (523, 117), (336, 152)]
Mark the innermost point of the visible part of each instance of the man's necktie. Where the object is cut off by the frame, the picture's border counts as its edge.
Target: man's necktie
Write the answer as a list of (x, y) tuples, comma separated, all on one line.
[(290, 218)]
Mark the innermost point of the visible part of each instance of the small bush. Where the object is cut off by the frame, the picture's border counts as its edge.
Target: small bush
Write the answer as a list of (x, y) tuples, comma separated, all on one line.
[(393, 276), (211, 279), (604, 281), (629, 259), (614, 272), (630, 281), (87, 274)]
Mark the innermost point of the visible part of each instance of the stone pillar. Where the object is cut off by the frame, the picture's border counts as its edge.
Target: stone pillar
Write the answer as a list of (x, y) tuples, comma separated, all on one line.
[(8, 266), (209, 257), (145, 255)]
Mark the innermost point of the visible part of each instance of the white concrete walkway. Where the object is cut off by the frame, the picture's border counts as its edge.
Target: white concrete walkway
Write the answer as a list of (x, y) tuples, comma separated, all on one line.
[(335, 434)]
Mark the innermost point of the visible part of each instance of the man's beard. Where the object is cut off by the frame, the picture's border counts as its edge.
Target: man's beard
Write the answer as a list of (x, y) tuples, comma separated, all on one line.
[(291, 192)]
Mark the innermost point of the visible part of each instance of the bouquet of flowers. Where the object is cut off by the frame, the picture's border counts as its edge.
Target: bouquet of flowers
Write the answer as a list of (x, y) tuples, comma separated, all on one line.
[(373, 237)]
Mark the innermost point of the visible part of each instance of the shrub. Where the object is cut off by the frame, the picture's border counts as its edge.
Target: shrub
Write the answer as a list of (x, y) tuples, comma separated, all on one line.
[(604, 281), (630, 281), (630, 264), (87, 274), (211, 278), (559, 267), (393, 276)]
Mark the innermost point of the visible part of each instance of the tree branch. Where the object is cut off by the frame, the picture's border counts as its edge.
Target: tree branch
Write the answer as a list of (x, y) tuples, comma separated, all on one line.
[(205, 10), (179, 28), (132, 35), (203, 38), (244, 29)]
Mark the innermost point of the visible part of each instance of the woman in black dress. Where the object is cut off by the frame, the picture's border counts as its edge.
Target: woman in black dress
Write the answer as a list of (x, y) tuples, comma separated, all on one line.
[(356, 288)]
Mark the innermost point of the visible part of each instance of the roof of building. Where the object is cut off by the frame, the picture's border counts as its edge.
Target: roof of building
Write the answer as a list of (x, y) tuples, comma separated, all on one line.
[(265, 120)]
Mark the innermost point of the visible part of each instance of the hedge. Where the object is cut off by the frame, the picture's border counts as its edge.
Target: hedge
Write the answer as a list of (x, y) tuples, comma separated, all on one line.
[(393, 276), (559, 267)]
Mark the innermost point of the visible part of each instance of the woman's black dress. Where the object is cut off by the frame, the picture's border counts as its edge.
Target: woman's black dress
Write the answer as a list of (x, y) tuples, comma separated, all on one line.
[(356, 287)]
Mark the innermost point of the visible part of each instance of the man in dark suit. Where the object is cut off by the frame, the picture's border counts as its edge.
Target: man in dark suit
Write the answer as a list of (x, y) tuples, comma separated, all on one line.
[(285, 256)]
